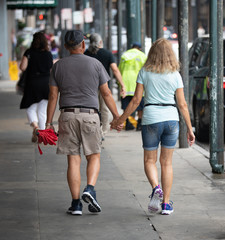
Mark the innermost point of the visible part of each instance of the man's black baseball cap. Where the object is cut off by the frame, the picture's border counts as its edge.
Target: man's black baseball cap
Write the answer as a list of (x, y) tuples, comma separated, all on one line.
[(136, 44), (73, 37)]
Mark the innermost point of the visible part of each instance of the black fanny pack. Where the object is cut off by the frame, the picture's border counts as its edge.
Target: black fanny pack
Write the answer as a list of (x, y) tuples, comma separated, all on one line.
[(161, 104)]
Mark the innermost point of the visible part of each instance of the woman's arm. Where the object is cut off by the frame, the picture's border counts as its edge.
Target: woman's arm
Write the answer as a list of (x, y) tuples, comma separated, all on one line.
[(24, 63), (134, 103), (182, 105)]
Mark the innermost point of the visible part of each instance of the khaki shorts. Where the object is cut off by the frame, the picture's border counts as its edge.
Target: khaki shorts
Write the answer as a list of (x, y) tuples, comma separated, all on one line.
[(76, 129)]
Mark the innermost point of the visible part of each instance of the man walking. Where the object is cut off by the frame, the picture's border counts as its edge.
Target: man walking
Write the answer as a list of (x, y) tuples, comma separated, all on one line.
[(97, 51), (77, 79)]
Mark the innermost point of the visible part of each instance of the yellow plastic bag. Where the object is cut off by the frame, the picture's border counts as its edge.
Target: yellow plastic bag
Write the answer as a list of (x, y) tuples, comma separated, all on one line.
[(13, 71)]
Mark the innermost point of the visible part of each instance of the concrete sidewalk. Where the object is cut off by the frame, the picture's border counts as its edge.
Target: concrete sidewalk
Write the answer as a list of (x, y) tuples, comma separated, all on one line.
[(34, 195)]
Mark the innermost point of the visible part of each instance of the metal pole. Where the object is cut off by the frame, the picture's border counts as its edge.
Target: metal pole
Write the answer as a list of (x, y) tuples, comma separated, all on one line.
[(119, 30), (110, 25), (174, 15), (160, 17), (119, 34), (194, 19), (215, 151), (103, 22), (64, 4), (98, 17), (110, 36), (154, 20), (183, 57), (143, 24), (133, 22), (4, 57), (86, 25), (220, 65)]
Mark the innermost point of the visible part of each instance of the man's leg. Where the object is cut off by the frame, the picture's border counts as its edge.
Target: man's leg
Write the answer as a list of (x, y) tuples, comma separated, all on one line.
[(93, 168), (74, 180), (89, 194), (73, 175)]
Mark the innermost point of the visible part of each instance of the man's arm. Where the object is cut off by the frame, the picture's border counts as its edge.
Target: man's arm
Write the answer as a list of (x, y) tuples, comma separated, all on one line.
[(52, 102), (118, 76), (109, 100)]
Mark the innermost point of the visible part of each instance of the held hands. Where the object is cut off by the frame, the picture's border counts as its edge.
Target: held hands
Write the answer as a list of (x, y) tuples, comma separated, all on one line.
[(117, 124)]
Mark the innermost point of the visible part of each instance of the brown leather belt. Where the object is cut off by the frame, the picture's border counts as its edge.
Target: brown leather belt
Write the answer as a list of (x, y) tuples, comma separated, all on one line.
[(77, 110)]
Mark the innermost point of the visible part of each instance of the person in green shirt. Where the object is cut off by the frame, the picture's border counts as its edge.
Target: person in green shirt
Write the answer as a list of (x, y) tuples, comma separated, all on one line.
[(130, 64)]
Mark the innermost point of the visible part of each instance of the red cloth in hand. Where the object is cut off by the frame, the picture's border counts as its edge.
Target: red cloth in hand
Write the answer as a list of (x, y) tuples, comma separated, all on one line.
[(47, 136)]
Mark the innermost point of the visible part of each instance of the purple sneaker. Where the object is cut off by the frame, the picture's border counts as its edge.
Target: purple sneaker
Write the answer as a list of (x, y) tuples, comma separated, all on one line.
[(155, 200), (167, 208)]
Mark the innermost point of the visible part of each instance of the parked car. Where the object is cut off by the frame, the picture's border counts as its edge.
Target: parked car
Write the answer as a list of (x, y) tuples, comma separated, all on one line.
[(199, 73)]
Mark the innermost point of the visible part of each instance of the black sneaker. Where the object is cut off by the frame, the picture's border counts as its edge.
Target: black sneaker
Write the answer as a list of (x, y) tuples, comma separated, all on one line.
[(129, 125), (92, 209), (75, 209), (89, 196)]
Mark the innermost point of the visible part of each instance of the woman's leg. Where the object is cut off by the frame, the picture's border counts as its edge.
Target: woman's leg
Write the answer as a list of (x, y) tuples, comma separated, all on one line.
[(33, 120), (32, 115), (166, 172), (42, 113), (150, 159)]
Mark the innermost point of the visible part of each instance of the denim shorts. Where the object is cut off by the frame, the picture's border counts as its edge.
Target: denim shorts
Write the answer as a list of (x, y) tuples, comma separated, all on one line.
[(165, 132)]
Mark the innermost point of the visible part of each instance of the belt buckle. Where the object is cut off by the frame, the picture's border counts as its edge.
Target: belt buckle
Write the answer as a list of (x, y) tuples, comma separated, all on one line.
[(76, 110), (91, 111)]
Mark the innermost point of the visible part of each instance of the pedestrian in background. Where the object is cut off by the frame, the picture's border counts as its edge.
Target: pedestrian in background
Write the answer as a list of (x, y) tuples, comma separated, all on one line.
[(37, 61), (97, 51), (161, 81), (13, 44), (130, 64), (54, 51), (77, 79)]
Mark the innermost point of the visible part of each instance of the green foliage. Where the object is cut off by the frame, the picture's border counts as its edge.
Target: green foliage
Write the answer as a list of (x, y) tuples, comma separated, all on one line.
[(21, 25)]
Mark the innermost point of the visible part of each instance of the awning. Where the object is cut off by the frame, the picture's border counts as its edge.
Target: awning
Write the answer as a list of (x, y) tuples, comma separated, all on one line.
[(17, 4)]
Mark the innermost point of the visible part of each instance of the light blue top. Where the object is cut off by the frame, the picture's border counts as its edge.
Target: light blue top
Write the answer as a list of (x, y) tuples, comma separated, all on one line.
[(159, 88)]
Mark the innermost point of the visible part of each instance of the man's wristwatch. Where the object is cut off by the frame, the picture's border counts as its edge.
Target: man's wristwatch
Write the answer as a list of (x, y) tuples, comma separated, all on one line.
[(48, 124)]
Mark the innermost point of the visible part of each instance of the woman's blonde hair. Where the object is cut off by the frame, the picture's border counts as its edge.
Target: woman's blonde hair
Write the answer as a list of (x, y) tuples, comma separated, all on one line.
[(161, 58)]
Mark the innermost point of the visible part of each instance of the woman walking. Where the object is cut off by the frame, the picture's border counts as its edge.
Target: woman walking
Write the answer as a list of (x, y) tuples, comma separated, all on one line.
[(161, 84), (37, 60)]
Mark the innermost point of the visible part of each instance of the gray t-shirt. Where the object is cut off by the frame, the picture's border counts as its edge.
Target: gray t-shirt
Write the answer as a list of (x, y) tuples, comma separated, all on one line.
[(78, 78)]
